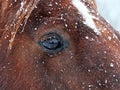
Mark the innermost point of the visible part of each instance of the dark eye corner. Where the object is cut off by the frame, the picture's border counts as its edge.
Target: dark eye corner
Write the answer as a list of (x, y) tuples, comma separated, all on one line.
[(53, 43)]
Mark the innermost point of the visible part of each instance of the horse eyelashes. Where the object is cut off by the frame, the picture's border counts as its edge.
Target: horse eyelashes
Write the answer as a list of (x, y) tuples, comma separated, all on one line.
[(53, 43)]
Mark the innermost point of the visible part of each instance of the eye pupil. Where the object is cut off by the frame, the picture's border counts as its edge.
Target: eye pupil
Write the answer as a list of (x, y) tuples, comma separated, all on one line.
[(52, 43)]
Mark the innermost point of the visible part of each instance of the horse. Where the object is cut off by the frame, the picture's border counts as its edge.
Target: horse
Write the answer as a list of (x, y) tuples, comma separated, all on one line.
[(57, 45)]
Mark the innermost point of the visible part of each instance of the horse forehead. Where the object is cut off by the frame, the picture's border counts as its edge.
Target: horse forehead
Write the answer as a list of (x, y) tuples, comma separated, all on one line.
[(84, 8), (87, 14)]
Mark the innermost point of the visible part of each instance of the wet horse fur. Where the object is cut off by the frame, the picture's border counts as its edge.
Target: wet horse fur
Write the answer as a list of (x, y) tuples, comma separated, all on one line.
[(90, 62)]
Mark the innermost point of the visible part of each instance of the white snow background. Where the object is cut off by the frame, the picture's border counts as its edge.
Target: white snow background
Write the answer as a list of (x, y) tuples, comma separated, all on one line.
[(110, 10)]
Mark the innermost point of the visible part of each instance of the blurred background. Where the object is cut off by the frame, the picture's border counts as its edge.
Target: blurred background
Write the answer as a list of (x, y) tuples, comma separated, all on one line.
[(110, 10)]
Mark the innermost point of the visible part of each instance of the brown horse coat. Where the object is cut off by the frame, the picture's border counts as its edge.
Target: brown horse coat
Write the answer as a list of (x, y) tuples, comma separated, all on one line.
[(87, 55)]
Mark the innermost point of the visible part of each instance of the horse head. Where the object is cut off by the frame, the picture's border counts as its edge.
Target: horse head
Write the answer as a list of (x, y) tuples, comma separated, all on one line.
[(57, 45)]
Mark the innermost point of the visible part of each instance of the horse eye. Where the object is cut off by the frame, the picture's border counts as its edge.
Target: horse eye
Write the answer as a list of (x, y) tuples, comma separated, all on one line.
[(53, 43)]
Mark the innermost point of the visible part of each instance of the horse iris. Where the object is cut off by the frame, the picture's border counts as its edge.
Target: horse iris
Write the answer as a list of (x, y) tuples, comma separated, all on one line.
[(52, 43)]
